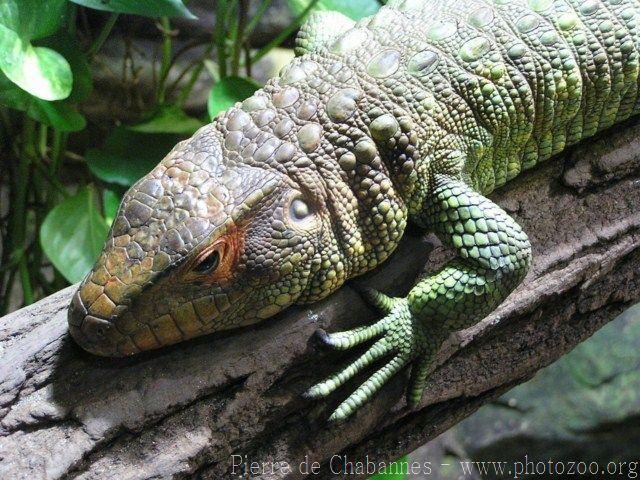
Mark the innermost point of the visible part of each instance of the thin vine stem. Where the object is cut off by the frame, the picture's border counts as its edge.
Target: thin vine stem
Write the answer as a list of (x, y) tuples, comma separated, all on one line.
[(220, 37), (255, 19), (282, 36), (184, 93), (237, 37), (165, 64), (103, 35), (19, 207)]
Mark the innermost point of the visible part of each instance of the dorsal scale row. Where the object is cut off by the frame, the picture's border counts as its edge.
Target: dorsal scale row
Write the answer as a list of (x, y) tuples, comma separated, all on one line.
[(517, 66)]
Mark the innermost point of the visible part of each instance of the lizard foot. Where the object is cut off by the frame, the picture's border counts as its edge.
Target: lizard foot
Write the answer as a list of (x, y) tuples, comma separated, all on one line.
[(403, 338)]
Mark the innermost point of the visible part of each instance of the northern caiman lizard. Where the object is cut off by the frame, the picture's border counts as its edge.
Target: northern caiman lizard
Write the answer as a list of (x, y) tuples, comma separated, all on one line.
[(413, 114)]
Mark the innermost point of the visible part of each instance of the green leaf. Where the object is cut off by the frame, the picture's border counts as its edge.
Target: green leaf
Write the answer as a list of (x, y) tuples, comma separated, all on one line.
[(33, 19), (127, 156), (59, 114), (73, 234), (169, 119), (147, 8), (67, 46), (110, 204), (354, 9), (10, 15), (39, 70), (227, 92)]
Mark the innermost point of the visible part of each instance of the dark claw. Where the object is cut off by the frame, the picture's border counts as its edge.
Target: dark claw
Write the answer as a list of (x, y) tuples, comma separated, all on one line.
[(363, 291), (307, 395), (323, 337), (335, 421)]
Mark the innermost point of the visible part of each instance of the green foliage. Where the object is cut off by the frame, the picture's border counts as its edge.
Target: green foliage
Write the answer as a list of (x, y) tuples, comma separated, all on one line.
[(31, 87), (128, 155), (73, 234), (40, 71), (168, 119), (67, 46), (55, 114), (33, 19), (355, 9), (147, 8), (227, 92), (110, 203)]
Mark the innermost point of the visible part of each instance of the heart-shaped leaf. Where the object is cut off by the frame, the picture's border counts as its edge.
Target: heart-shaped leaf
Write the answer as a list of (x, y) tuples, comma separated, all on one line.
[(169, 119), (73, 234), (229, 90), (67, 46), (355, 9), (147, 8), (127, 156), (40, 71)]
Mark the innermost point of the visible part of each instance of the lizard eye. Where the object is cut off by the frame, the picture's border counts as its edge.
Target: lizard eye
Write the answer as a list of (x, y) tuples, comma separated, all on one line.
[(299, 209), (208, 264)]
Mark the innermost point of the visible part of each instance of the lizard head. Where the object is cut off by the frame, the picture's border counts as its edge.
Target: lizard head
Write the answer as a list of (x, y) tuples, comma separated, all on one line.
[(204, 243)]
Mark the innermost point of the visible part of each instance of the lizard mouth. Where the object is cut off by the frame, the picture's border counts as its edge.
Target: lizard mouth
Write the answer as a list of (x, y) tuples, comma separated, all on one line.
[(116, 333)]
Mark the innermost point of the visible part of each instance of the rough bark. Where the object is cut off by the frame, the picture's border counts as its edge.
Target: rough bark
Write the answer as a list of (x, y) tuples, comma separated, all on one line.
[(184, 411)]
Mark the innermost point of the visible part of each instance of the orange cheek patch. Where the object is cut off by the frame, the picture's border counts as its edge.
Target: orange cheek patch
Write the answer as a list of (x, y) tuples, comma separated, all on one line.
[(228, 246)]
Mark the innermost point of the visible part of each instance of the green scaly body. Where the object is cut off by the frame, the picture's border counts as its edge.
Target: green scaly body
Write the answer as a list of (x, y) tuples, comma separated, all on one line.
[(413, 114)]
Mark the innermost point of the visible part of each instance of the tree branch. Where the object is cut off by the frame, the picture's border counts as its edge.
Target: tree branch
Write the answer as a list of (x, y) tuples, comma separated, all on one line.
[(184, 411)]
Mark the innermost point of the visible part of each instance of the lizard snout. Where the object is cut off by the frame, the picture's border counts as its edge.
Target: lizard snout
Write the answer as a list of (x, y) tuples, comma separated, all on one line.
[(90, 332), (94, 334)]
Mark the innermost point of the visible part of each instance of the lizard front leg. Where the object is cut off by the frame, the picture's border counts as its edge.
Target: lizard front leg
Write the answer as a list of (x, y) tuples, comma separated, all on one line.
[(493, 257)]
